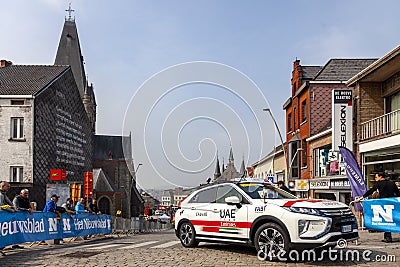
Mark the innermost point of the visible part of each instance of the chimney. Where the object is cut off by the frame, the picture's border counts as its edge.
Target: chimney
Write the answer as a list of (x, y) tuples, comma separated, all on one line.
[(4, 63)]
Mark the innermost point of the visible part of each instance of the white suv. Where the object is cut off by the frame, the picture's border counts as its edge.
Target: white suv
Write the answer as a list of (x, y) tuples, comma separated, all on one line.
[(255, 212)]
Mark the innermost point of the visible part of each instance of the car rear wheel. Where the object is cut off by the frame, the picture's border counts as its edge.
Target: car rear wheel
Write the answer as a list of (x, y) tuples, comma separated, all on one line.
[(271, 242), (187, 235)]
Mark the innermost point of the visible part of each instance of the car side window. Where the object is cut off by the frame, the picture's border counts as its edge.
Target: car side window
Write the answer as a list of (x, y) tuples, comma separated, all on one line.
[(227, 191), (205, 196)]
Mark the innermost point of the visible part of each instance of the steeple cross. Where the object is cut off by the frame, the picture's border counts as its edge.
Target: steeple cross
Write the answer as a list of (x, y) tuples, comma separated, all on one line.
[(69, 10)]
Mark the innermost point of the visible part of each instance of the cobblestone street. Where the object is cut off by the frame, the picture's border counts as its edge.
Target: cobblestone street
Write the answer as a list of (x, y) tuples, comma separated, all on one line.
[(163, 249)]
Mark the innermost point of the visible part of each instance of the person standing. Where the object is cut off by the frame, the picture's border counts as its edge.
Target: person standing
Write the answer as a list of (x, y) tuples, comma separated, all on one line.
[(386, 188), (51, 205), (21, 202), (282, 186), (93, 208), (80, 207), (68, 205)]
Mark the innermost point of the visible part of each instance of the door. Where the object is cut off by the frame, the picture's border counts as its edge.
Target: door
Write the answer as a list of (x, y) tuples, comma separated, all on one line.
[(230, 221), (199, 210)]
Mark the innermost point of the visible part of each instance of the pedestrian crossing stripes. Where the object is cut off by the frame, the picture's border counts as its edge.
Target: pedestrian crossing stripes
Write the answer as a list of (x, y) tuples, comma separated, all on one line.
[(138, 245), (168, 244), (120, 246), (104, 246)]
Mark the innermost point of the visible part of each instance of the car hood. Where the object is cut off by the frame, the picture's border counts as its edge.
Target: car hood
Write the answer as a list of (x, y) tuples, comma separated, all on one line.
[(307, 203)]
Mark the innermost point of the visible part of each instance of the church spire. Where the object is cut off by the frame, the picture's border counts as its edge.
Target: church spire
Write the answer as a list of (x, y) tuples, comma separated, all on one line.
[(69, 53), (231, 156), (217, 172), (242, 169)]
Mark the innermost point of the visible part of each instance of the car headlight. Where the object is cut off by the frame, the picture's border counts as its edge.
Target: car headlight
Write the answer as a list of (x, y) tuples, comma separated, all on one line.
[(309, 211), (303, 226)]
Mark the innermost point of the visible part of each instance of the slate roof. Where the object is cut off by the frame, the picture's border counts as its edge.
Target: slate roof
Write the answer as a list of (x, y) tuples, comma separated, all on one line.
[(342, 69), (27, 79), (110, 147), (309, 72)]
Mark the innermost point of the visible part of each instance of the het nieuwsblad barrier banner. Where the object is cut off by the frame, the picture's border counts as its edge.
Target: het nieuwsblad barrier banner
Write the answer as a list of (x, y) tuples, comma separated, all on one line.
[(382, 214), (20, 227)]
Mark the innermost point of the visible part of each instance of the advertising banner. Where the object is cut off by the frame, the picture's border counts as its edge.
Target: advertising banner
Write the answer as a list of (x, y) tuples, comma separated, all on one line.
[(356, 179), (20, 227), (342, 119), (382, 214)]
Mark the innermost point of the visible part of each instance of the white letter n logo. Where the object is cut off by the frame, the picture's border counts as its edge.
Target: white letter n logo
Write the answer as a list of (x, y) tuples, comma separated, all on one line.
[(67, 226), (52, 224), (385, 214)]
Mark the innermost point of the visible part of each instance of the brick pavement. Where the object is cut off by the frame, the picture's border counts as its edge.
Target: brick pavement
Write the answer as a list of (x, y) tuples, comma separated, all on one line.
[(76, 254)]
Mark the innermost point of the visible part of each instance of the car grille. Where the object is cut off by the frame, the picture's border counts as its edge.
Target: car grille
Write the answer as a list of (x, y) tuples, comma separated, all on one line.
[(337, 212)]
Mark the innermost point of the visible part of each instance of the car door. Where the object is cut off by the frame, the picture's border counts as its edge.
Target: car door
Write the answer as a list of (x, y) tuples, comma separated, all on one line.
[(200, 210), (230, 221)]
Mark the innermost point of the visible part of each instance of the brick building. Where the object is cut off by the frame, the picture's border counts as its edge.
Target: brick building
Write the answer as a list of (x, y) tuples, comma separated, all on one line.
[(377, 116), (309, 126)]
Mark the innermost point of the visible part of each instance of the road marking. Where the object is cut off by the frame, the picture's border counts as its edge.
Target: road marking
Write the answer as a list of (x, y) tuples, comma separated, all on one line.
[(93, 245), (168, 244), (105, 246), (139, 245)]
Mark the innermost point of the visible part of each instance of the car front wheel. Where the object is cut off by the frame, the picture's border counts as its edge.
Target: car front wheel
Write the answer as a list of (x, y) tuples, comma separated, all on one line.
[(187, 235), (271, 242)]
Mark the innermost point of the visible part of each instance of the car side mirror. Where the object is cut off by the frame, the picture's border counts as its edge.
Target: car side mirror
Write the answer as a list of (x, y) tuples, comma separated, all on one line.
[(233, 200)]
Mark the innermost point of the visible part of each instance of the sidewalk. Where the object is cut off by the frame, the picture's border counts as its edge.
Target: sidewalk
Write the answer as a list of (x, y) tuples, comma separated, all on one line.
[(374, 241)]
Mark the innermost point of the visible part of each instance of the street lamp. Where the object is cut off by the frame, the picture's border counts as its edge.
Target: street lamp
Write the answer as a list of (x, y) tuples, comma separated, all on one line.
[(279, 132)]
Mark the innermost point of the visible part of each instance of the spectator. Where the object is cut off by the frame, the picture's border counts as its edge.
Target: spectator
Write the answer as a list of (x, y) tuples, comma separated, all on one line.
[(282, 186), (51, 205), (80, 207), (386, 188), (4, 200), (21, 202), (68, 205), (93, 207)]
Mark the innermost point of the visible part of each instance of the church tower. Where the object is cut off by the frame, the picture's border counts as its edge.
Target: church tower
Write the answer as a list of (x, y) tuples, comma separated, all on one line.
[(230, 171), (69, 53)]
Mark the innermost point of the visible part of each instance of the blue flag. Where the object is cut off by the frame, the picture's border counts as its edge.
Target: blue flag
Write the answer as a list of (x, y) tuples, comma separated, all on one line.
[(382, 214), (356, 179)]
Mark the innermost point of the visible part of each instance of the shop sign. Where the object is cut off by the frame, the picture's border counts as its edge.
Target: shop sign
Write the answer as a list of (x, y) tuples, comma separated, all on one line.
[(342, 119), (301, 185), (320, 184), (340, 184)]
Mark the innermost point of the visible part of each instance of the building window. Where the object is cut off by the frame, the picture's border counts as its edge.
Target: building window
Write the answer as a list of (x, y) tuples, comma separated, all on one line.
[(303, 154), (303, 111), (16, 174), (328, 162), (17, 102), (289, 122), (17, 128)]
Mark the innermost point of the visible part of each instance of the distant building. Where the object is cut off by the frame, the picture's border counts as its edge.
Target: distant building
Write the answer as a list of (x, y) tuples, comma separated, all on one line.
[(229, 171), (115, 176), (272, 166)]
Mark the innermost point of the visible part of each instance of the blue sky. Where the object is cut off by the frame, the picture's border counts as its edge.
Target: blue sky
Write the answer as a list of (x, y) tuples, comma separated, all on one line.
[(126, 43)]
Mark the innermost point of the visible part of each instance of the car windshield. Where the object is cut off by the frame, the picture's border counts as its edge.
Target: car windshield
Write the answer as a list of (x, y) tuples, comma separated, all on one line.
[(264, 191)]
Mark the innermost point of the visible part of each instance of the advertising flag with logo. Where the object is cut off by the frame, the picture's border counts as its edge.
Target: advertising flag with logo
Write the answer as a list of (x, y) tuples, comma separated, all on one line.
[(356, 179), (382, 214)]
